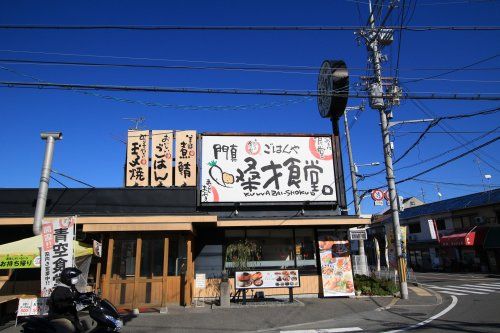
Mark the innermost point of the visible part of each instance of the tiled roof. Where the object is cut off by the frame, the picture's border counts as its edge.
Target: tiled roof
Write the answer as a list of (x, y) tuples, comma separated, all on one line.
[(448, 205)]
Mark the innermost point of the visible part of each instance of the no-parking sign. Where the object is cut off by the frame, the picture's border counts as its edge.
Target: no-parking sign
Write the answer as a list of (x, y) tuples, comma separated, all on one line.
[(377, 195)]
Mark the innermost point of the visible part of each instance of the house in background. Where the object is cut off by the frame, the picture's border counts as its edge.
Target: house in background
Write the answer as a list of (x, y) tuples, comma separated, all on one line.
[(457, 234)]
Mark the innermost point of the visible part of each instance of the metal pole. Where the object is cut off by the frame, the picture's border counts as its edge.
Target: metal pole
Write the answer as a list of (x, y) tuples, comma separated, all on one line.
[(354, 181), (50, 137), (401, 261)]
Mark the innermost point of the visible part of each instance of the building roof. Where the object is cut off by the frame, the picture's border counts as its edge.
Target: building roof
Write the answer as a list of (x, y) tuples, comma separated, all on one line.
[(449, 205)]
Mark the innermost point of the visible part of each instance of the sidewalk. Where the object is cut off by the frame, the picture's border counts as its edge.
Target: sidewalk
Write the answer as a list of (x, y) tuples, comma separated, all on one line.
[(313, 312)]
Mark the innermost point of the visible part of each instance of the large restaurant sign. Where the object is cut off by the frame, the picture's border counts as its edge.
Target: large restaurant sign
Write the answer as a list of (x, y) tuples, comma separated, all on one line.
[(150, 158), (266, 169)]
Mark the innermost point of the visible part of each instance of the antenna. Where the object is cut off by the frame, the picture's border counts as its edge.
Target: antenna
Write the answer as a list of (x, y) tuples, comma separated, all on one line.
[(483, 176), (423, 194), (137, 121)]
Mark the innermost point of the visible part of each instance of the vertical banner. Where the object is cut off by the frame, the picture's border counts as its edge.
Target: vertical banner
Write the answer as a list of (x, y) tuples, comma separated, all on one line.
[(185, 156), (336, 270), (161, 158), (137, 173), (391, 247), (57, 251)]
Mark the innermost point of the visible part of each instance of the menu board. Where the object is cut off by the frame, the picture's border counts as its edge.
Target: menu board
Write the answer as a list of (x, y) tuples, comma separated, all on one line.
[(336, 271), (267, 279)]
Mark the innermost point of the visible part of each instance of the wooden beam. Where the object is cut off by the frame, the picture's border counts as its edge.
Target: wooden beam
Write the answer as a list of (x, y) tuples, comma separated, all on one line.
[(164, 295), (137, 227), (109, 265), (137, 271), (293, 222), (120, 219)]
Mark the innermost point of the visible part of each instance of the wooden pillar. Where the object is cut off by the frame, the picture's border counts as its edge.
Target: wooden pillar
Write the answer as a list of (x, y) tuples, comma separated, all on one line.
[(188, 287), (164, 294), (137, 273), (109, 263)]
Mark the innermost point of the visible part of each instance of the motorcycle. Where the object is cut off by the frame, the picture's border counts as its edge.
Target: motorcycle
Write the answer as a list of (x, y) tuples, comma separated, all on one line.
[(104, 315)]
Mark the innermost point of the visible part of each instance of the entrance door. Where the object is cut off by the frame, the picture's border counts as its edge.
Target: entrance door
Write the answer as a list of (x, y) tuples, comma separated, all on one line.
[(147, 269)]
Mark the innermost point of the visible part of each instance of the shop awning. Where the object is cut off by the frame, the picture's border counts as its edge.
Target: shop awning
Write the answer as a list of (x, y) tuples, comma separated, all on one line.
[(24, 253), (492, 239), (464, 239)]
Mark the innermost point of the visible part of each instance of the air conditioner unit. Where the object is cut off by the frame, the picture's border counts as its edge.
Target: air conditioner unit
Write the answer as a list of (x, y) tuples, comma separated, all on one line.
[(479, 220)]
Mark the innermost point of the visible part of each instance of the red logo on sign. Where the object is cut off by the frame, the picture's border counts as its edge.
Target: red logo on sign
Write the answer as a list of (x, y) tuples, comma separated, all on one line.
[(377, 195)]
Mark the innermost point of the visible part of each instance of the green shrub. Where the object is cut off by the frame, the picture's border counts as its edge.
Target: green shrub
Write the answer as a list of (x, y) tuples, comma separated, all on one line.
[(371, 286)]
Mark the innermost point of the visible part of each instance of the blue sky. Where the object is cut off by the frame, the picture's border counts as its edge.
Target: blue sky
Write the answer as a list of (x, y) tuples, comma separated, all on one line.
[(92, 125)]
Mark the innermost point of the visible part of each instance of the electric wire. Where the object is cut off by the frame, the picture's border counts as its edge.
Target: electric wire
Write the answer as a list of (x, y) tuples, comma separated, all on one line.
[(72, 178), (466, 96), (243, 28)]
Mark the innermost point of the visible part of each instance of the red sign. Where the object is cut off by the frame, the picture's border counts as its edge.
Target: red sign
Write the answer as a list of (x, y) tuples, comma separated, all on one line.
[(47, 236), (465, 239), (387, 196), (377, 195)]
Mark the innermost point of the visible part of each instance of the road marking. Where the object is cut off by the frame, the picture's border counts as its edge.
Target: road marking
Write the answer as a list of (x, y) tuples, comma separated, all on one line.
[(452, 293), (463, 291), (468, 287), (487, 285), (327, 330), (454, 301)]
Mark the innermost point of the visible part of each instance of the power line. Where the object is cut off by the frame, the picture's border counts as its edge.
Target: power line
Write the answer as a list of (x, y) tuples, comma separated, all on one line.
[(58, 181), (449, 150), (443, 132), (457, 137), (72, 178), (454, 70), (431, 125), (449, 161), (177, 106), (241, 91), (257, 65), (450, 183), (283, 70), (240, 28)]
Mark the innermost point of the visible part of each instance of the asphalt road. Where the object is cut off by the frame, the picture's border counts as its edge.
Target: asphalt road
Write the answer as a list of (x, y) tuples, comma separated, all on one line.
[(443, 303), (477, 297)]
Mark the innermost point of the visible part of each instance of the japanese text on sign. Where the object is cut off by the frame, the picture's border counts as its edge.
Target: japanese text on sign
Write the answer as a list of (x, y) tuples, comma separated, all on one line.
[(267, 168), (185, 158), (137, 158), (161, 158), (60, 255)]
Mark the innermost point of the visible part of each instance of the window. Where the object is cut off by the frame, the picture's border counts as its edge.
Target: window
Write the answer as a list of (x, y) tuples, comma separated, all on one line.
[(414, 228), (278, 248), (152, 257), (177, 252), (441, 224), (124, 257), (275, 247), (305, 249)]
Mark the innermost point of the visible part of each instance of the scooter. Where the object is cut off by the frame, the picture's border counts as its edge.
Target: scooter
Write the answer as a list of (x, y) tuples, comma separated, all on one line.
[(104, 315)]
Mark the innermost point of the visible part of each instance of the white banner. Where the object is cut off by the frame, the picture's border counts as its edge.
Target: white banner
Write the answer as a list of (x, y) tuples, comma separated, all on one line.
[(57, 250), (267, 169)]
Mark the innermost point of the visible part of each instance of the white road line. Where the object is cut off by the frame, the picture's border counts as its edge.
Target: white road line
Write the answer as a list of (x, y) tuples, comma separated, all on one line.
[(487, 285), (451, 293), (476, 287), (454, 302), (327, 330), (468, 287), (460, 291)]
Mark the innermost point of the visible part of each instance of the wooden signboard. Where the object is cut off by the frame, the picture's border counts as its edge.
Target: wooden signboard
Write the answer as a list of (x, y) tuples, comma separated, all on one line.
[(161, 158), (137, 159), (185, 156)]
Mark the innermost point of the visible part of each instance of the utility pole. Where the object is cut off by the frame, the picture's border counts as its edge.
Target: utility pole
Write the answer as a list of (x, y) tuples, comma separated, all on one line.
[(354, 182), (375, 39)]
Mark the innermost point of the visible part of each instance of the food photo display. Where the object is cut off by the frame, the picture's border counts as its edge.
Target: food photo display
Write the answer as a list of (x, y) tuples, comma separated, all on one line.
[(267, 279)]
